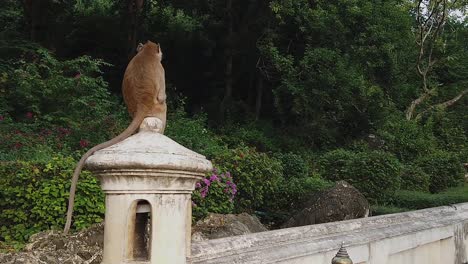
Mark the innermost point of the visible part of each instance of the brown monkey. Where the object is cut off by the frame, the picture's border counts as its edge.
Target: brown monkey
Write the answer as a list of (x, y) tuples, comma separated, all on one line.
[(144, 92)]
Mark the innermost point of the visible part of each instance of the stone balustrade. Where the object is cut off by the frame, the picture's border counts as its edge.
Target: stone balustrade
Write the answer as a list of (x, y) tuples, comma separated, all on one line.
[(430, 236)]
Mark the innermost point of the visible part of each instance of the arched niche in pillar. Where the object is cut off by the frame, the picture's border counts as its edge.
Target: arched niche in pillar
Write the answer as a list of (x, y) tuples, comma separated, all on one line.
[(139, 231)]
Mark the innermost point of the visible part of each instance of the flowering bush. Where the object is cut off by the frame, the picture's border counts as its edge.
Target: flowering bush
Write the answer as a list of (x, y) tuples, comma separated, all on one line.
[(257, 175), (34, 111), (214, 194)]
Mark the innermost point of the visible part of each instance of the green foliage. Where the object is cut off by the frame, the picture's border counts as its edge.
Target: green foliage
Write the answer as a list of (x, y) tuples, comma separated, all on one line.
[(93, 7), (214, 194), (315, 75), (48, 97), (386, 209), (328, 97), (419, 200), (293, 193), (254, 134), (444, 168), (375, 173), (330, 60), (413, 178), (34, 197), (450, 128), (407, 140), (294, 166), (39, 86), (257, 176), (192, 132)]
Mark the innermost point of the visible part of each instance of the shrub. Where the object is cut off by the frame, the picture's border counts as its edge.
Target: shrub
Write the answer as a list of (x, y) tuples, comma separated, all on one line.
[(256, 174), (293, 194), (420, 200), (413, 178), (386, 209), (375, 173), (450, 129), (192, 132), (444, 168), (407, 140), (294, 166), (34, 110), (214, 194), (253, 134), (34, 197), (291, 197)]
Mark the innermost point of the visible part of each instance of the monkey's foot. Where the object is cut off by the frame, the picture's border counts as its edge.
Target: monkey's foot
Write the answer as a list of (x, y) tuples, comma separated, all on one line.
[(152, 124)]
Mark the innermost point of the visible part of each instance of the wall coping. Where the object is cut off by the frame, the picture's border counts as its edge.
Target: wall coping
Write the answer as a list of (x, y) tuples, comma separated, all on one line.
[(296, 242)]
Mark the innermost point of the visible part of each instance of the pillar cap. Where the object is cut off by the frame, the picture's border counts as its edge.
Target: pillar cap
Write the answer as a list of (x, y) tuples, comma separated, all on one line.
[(148, 149)]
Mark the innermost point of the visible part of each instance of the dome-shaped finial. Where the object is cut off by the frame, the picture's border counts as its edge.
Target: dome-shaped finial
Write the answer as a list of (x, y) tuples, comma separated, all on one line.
[(152, 124), (342, 256)]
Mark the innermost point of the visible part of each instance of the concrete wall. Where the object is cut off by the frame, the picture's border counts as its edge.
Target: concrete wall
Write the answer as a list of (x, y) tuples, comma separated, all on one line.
[(431, 236)]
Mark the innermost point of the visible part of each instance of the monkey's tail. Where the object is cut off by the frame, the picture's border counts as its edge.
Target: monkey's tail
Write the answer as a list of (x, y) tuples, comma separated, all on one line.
[(76, 173)]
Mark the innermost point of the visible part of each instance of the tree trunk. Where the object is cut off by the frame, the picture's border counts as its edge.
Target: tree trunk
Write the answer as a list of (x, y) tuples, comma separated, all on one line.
[(412, 108), (36, 15), (258, 101), (134, 8), (445, 104), (229, 61)]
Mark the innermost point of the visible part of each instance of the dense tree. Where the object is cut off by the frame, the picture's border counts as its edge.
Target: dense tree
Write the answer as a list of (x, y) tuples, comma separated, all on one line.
[(325, 71), (432, 30)]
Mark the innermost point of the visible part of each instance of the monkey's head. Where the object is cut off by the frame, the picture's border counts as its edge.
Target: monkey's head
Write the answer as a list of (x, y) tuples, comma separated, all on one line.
[(151, 47)]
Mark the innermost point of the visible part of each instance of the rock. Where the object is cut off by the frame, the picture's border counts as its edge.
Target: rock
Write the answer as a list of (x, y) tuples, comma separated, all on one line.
[(341, 202), (52, 247), (218, 226)]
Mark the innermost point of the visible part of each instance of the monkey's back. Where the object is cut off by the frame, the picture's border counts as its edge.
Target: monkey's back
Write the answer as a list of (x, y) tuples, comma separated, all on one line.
[(142, 84)]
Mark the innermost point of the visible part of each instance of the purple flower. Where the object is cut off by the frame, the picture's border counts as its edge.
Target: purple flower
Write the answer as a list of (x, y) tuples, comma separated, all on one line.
[(194, 204), (204, 192), (207, 182), (197, 185), (84, 143), (29, 115), (214, 177)]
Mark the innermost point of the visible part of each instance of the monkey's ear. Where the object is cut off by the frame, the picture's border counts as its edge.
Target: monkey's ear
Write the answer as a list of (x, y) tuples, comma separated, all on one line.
[(160, 52), (139, 47)]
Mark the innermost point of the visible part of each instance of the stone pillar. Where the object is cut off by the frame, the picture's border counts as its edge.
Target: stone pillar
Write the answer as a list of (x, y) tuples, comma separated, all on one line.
[(148, 180)]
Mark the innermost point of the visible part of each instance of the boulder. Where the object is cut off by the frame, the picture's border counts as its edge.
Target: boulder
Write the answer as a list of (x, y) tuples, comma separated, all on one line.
[(218, 226), (341, 202)]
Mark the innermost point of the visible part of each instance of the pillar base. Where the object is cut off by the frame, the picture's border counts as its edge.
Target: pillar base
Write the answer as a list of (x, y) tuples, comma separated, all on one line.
[(152, 170)]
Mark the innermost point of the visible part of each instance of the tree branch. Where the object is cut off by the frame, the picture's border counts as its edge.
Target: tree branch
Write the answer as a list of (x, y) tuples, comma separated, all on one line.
[(443, 105)]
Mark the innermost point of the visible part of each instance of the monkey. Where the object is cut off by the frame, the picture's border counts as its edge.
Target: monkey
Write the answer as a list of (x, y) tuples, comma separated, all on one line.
[(144, 93)]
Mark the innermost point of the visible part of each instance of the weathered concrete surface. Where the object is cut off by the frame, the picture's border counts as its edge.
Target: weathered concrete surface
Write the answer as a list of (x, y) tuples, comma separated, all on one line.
[(430, 236), (152, 171), (435, 236), (219, 226), (341, 202)]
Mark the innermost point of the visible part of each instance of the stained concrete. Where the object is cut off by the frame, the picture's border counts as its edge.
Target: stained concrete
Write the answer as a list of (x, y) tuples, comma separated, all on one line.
[(430, 236)]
